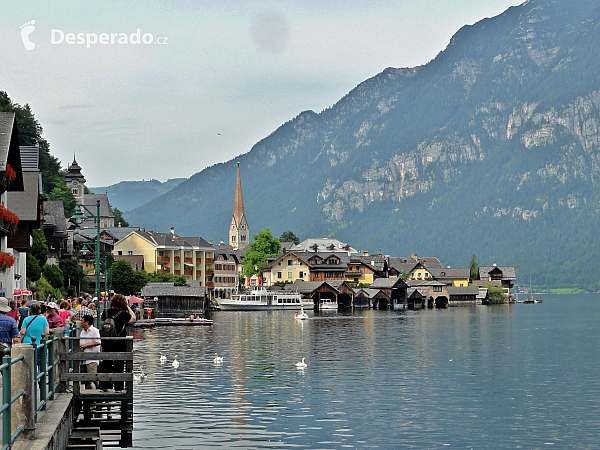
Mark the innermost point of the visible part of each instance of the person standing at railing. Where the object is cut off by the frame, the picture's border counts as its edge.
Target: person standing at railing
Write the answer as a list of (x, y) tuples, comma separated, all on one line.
[(64, 312), (9, 333), (54, 319), (122, 314), (35, 325), (90, 343)]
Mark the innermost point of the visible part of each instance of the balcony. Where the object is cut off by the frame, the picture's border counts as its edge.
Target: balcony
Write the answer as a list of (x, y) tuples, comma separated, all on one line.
[(189, 272), (209, 284), (209, 273), (177, 259), (198, 273), (163, 259), (209, 260), (163, 271), (177, 272), (188, 260), (352, 273), (198, 260)]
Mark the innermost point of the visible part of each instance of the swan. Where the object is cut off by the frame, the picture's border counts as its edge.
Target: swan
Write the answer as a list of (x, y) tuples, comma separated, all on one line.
[(175, 362), (163, 358), (218, 359), (301, 364)]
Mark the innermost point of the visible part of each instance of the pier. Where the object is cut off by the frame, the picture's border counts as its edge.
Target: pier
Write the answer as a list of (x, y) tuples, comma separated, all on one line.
[(47, 408)]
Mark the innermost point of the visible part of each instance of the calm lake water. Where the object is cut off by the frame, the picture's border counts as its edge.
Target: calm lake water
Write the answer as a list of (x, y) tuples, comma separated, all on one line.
[(518, 376)]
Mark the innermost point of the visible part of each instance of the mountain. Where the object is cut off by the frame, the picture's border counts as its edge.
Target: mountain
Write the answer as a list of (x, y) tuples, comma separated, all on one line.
[(491, 149), (128, 195)]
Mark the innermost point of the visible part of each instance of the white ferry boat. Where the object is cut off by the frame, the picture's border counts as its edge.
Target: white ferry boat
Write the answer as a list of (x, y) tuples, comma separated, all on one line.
[(260, 299)]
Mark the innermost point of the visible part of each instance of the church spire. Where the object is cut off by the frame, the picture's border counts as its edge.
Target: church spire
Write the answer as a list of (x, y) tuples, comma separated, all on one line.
[(239, 231), (238, 204)]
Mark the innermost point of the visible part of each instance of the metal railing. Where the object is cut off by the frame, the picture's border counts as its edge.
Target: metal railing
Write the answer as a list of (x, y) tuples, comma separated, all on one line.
[(8, 438), (46, 376)]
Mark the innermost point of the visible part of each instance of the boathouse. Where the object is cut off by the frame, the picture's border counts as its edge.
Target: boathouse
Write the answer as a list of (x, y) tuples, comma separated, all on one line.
[(395, 290), (168, 300)]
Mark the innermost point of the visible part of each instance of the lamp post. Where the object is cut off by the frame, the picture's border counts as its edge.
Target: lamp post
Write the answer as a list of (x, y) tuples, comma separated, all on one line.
[(79, 215)]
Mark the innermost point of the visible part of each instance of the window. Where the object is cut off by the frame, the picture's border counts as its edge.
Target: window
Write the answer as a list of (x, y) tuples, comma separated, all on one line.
[(130, 252), (290, 262), (232, 238), (119, 252), (279, 275), (75, 191), (437, 289), (301, 275), (290, 275)]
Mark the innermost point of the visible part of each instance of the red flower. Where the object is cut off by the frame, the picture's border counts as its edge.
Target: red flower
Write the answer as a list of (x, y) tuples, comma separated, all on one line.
[(6, 261), (10, 173)]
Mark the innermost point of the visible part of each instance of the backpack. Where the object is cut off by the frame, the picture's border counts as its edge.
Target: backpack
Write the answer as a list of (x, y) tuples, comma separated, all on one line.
[(109, 327)]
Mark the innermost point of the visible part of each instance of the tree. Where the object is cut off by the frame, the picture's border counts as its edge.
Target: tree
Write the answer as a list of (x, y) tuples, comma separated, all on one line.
[(62, 193), (43, 290), (264, 246), (496, 295), (72, 271), (289, 236), (159, 277), (34, 272), (40, 248), (125, 280), (54, 276), (119, 218), (474, 267)]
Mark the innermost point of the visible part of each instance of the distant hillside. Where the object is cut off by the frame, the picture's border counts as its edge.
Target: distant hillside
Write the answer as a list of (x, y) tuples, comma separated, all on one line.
[(128, 195), (492, 148)]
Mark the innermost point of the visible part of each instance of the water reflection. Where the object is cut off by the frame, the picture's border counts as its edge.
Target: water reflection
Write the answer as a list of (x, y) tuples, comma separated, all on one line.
[(468, 377)]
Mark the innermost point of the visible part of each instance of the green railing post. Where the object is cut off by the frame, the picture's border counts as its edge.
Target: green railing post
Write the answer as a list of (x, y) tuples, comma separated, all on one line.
[(36, 371), (6, 399), (43, 370), (51, 367)]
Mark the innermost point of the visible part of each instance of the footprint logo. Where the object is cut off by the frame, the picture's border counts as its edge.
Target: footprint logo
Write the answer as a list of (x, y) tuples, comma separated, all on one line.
[(26, 30)]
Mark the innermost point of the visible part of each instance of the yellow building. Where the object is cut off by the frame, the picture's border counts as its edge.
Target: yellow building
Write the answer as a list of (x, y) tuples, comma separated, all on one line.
[(287, 267), (191, 257), (452, 277)]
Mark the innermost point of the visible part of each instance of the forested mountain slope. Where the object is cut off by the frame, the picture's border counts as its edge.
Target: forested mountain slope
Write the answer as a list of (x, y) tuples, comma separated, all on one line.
[(491, 148)]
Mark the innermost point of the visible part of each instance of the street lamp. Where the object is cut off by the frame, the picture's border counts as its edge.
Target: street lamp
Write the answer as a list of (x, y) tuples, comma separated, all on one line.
[(79, 215)]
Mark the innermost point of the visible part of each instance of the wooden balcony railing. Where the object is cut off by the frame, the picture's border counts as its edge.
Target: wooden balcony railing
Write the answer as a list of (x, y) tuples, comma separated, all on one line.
[(188, 260), (198, 260), (163, 271), (177, 259), (177, 272), (189, 272), (209, 284), (209, 273), (198, 273), (209, 260), (163, 259), (351, 273)]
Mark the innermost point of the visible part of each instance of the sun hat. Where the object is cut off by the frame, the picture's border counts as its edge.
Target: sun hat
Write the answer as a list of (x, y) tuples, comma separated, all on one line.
[(4, 306), (52, 305)]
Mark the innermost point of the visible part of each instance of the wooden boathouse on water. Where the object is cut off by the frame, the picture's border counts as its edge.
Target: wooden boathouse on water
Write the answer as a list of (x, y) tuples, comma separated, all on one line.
[(168, 300)]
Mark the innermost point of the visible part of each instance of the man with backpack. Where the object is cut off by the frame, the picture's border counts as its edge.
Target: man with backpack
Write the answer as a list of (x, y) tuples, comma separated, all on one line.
[(114, 324)]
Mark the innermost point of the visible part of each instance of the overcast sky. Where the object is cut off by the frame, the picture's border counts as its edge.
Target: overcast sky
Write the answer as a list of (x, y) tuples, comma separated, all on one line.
[(217, 77)]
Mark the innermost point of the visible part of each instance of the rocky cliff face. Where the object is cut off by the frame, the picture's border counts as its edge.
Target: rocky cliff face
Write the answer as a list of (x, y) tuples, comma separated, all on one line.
[(499, 132)]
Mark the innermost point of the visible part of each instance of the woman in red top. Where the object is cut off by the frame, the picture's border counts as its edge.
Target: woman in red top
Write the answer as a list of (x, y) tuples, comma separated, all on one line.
[(14, 312)]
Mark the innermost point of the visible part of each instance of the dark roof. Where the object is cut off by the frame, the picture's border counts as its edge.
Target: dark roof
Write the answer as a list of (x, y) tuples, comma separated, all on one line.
[(429, 261), (471, 290), (387, 283), (508, 272), (54, 215), (174, 241), (30, 157), (25, 203), (450, 272), (400, 266), (170, 290), (368, 292), (423, 283), (89, 200)]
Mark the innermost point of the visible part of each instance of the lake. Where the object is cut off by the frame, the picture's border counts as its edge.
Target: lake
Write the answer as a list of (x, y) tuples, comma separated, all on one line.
[(509, 376)]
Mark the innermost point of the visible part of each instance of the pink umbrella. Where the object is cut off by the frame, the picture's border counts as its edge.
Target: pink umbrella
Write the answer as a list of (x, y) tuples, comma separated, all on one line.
[(133, 299)]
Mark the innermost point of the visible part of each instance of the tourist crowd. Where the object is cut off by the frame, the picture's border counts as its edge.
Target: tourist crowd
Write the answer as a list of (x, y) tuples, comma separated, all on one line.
[(22, 321)]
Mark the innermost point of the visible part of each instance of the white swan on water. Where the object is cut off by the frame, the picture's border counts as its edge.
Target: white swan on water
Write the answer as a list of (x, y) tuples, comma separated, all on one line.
[(175, 362), (163, 358), (218, 359), (301, 364)]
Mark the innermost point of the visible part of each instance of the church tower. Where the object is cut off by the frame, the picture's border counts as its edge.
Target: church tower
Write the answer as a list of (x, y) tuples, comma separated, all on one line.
[(75, 181), (239, 232)]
